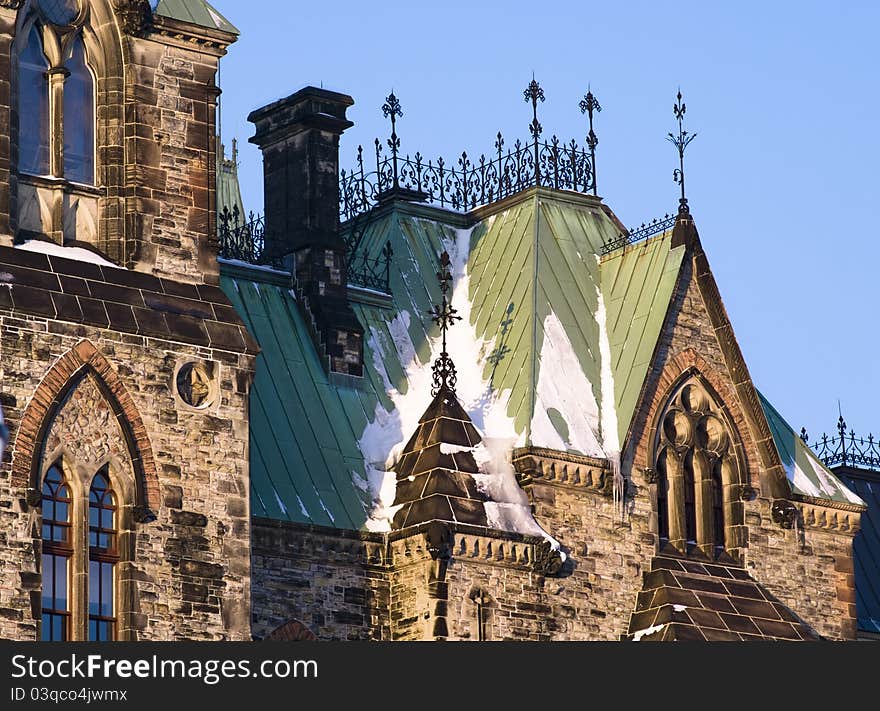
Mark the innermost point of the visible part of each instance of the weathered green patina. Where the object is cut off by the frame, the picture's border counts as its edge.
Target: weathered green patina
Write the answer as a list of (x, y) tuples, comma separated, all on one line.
[(554, 350), (198, 12)]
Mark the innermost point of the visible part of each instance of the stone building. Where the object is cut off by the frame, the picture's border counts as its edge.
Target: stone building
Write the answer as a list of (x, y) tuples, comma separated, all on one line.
[(476, 407), (124, 506)]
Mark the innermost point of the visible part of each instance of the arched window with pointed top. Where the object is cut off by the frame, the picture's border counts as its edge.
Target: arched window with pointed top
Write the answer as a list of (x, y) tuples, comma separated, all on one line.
[(698, 474), (33, 106), (56, 94), (56, 556), (79, 116), (103, 558)]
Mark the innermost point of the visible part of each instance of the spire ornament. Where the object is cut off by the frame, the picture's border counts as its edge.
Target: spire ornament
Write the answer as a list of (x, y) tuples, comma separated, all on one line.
[(681, 142), (444, 315), (534, 93), (392, 108), (588, 105)]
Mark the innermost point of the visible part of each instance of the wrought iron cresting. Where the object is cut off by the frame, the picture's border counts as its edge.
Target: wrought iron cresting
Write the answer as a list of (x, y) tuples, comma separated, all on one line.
[(589, 105), (246, 242), (465, 184), (846, 449), (444, 315)]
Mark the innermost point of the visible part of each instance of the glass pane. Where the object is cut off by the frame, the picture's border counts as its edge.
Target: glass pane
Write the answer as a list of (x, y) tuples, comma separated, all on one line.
[(48, 577), (33, 107), (60, 12), (94, 587), (93, 630), (79, 118), (60, 582), (61, 513), (58, 624), (107, 589), (46, 635)]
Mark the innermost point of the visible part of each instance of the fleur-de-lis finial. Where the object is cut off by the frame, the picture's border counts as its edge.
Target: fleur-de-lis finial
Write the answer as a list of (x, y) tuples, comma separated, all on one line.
[(681, 142), (588, 105), (392, 108), (534, 93), (444, 315)]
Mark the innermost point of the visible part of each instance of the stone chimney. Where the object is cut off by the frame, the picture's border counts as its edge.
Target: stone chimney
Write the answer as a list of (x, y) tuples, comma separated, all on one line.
[(299, 138)]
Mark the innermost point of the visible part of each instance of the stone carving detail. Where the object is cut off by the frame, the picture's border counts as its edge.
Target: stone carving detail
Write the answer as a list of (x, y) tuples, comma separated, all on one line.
[(136, 16), (439, 539), (87, 429), (784, 513), (547, 561), (196, 384)]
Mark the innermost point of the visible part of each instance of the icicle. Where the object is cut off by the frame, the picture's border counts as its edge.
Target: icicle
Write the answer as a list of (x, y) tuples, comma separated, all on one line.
[(619, 485)]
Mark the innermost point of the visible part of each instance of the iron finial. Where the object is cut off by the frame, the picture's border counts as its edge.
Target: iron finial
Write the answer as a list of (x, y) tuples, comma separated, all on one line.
[(681, 142), (392, 108), (534, 93), (588, 105), (444, 315)]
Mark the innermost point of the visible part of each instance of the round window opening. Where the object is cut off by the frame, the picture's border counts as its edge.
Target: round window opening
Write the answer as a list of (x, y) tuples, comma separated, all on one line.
[(195, 385), (60, 12)]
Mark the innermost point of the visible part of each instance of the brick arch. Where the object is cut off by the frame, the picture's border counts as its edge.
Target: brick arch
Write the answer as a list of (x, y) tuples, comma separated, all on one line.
[(82, 359), (292, 631), (756, 455)]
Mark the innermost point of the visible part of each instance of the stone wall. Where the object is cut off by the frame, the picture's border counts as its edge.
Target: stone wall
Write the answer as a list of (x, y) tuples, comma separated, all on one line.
[(170, 133), (333, 582), (698, 334), (189, 576)]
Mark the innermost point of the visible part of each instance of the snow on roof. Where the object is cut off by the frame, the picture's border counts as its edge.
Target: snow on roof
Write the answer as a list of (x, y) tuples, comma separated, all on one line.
[(808, 475), (77, 254)]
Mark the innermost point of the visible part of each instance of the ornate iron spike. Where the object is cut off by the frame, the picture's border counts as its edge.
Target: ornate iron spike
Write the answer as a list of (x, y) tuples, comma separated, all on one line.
[(588, 105), (681, 142), (804, 436), (392, 108), (444, 315), (535, 93)]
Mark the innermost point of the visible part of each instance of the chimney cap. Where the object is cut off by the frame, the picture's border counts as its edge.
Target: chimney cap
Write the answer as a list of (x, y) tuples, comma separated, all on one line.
[(306, 105)]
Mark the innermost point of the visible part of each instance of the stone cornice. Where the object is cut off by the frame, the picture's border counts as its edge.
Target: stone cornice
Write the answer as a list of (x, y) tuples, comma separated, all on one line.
[(828, 515), (189, 36), (549, 466), (417, 544)]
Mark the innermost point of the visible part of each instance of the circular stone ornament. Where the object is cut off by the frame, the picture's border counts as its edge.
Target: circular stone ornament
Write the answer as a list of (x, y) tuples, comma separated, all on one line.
[(195, 385), (60, 12)]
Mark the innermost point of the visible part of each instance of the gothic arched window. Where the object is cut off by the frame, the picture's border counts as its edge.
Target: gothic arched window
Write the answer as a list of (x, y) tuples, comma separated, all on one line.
[(79, 117), (33, 106), (80, 558), (56, 94), (57, 554), (696, 473), (103, 557)]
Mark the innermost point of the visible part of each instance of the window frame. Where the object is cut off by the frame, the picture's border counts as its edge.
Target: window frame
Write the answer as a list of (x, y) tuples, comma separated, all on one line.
[(687, 467), (58, 42), (81, 555), (57, 549)]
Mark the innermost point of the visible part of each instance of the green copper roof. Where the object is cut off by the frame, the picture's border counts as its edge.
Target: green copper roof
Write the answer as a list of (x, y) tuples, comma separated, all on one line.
[(535, 364), (637, 283), (198, 12), (807, 475), (552, 351)]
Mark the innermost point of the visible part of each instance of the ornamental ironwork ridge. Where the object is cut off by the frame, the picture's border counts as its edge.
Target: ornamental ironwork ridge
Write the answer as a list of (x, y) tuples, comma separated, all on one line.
[(639, 234), (468, 183), (245, 241), (846, 449)]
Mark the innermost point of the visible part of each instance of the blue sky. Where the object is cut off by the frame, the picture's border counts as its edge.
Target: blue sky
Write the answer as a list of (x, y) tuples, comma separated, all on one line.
[(782, 179)]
